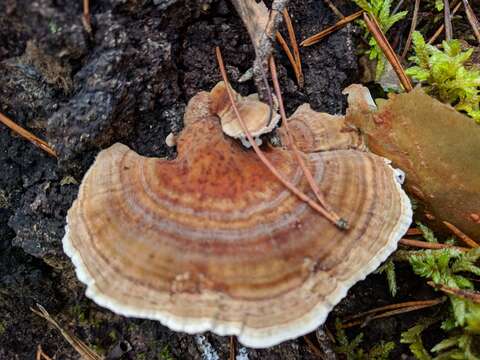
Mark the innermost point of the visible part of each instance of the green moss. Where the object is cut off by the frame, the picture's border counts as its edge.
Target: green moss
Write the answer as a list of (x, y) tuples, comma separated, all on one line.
[(100, 350), (445, 76), (79, 312), (380, 9), (85, 317), (113, 335), (461, 322), (165, 353), (352, 350), (3, 327), (389, 269)]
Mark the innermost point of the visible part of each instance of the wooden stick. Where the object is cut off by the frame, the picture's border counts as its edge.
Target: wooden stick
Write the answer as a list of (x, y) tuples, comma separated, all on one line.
[(471, 295), (291, 58), (293, 43), (447, 20), (414, 231), (442, 27), (233, 347), (382, 41), (472, 19), (260, 154), (334, 9), (312, 346), (394, 309), (41, 355), (429, 245), (27, 135), (412, 28), (465, 238), (86, 7), (397, 7), (298, 156), (77, 344), (317, 37), (86, 18), (265, 48)]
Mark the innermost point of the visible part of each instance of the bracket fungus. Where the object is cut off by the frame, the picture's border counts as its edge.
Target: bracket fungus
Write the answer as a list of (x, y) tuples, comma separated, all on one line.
[(314, 131), (259, 119), (212, 241)]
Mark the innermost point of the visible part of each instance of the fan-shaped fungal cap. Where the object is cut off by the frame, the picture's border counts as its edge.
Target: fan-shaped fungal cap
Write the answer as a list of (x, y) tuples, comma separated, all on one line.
[(256, 114), (212, 241), (314, 131)]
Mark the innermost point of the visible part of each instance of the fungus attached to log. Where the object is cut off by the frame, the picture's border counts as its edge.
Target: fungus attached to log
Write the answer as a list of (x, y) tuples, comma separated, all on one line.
[(314, 131), (257, 115), (212, 241)]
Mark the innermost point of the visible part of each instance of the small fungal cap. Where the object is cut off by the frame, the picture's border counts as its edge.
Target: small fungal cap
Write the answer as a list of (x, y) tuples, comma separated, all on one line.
[(211, 241), (359, 98), (256, 114), (171, 140)]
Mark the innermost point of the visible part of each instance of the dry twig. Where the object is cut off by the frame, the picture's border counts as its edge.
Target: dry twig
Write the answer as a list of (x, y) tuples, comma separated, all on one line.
[(442, 27), (471, 295), (312, 347), (472, 19), (447, 17), (465, 238), (389, 310), (262, 28), (233, 347), (382, 41), (41, 355), (27, 135), (430, 245), (317, 37), (291, 58), (260, 154), (334, 9), (412, 28), (86, 18), (296, 53), (414, 231), (341, 223), (76, 343)]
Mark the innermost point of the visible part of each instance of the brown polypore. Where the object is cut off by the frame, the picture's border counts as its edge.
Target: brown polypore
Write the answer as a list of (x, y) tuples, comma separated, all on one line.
[(314, 131), (256, 114), (212, 241)]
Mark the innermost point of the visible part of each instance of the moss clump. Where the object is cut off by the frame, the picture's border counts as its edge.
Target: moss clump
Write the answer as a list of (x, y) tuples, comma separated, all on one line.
[(445, 76)]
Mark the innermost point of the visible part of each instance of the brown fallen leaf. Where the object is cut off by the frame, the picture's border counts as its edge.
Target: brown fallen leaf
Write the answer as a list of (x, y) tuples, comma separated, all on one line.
[(436, 146)]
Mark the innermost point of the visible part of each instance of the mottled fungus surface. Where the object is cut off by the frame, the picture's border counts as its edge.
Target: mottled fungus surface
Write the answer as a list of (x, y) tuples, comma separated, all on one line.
[(315, 131), (212, 241), (256, 114)]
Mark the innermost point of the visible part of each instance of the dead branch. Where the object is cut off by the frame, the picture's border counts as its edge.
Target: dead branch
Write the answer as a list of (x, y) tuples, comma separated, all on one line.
[(389, 53), (412, 28), (76, 343), (27, 135)]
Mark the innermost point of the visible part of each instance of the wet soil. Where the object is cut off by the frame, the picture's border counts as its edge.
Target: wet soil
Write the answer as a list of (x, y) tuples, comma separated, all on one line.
[(129, 81)]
